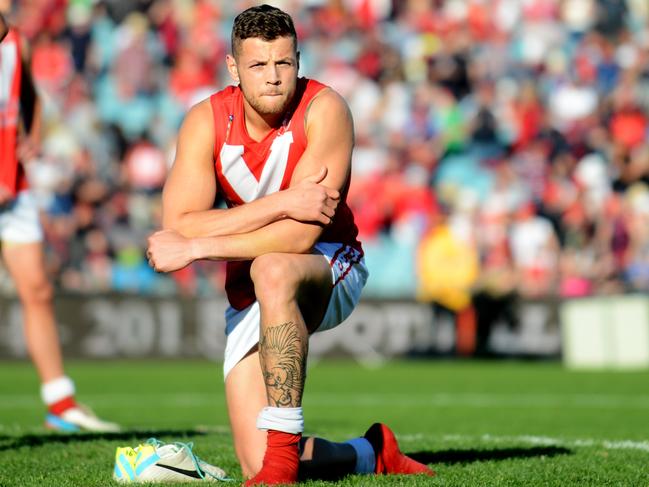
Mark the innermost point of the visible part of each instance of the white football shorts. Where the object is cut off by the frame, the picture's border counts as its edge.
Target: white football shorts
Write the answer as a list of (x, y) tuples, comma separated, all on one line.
[(20, 221), (348, 277)]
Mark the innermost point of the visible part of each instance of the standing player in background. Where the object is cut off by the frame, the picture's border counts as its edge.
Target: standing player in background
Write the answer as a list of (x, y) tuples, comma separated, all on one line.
[(279, 148), (21, 235)]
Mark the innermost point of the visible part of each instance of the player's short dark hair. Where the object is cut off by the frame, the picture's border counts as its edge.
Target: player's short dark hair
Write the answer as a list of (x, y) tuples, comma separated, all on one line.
[(264, 22)]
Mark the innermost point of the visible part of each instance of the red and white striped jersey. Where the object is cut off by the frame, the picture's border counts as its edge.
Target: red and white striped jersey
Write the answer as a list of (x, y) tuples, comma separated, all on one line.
[(11, 172), (247, 169)]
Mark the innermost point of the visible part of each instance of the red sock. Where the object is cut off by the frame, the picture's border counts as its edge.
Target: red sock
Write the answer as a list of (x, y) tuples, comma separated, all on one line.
[(59, 407), (281, 460)]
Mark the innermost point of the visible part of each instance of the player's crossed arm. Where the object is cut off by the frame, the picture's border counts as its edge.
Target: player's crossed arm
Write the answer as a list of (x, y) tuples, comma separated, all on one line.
[(329, 143), (190, 190)]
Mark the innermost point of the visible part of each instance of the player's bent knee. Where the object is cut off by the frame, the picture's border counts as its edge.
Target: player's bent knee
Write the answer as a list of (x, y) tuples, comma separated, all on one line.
[(274, 276)]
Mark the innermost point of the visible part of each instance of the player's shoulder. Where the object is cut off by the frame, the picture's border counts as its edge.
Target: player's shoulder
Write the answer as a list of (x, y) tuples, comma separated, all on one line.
[(328, 104), (226, 98), (325, 94), (217, 98), (199, 113), (200, 118), (199, 122)]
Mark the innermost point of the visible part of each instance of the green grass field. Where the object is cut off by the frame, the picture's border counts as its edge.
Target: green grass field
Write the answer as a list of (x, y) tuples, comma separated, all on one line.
[(476, 423)]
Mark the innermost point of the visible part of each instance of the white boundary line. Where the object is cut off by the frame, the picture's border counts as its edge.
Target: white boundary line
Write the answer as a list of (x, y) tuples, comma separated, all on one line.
[(609, 444)]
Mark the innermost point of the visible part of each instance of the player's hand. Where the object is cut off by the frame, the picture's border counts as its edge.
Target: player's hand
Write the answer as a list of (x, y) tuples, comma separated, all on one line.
[(169, 251), (28, 149), (311, 201)]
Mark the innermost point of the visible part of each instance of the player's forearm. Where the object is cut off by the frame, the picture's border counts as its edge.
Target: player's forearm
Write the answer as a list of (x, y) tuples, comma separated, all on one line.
[(287, 236), (232, 221)]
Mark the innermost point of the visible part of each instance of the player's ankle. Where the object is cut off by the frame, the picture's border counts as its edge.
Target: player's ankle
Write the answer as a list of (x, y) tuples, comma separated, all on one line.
[(281, 460), (58, 395), (287, 420), (282, 457), (60, 407)]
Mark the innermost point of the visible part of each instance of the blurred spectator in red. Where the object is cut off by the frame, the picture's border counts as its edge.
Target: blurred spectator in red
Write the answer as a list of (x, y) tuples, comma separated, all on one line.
[(51, 64), (189, 76)]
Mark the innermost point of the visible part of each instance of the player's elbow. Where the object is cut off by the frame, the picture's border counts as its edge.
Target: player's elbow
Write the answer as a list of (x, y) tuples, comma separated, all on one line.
[(174, 221), (170, 221)]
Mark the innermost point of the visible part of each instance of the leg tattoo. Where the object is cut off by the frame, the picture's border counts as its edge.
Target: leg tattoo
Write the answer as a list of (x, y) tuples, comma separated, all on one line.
[(283, 359)]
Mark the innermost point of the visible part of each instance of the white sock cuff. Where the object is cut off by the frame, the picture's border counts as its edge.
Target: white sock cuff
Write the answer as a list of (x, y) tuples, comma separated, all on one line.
[(57, 389), (288, 420), (365, 456)]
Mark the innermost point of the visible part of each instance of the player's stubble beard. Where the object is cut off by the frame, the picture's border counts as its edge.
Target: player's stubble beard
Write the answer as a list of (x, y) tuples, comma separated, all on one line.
[(277, 107), (268, 109)]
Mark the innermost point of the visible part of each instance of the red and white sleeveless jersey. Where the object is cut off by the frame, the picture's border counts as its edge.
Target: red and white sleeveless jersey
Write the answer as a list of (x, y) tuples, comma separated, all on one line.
[(12, 174), (247, 170)]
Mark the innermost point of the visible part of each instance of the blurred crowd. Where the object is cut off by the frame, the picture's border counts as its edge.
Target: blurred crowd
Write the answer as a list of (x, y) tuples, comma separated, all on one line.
[(502, 146)]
